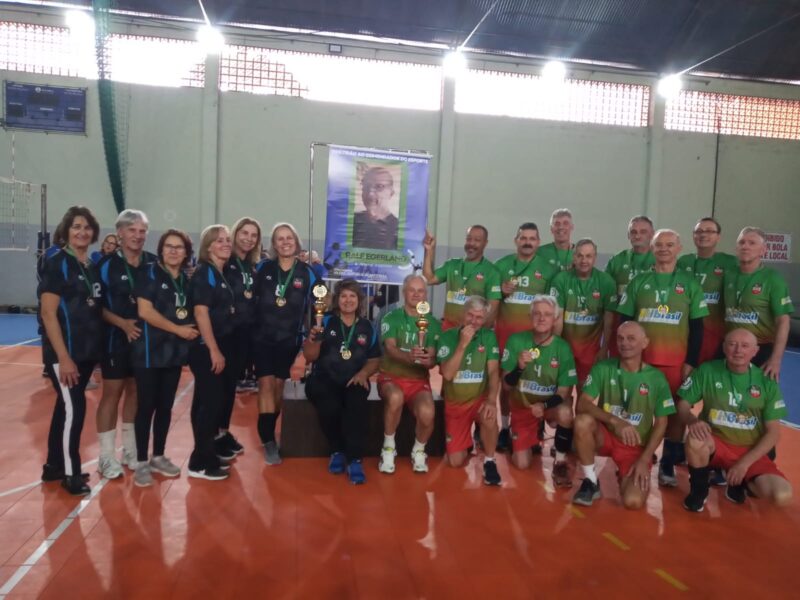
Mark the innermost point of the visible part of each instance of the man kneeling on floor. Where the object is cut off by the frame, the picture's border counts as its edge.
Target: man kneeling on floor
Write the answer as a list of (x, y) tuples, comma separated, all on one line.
[(628, 422), (469, 359), (739, 424)]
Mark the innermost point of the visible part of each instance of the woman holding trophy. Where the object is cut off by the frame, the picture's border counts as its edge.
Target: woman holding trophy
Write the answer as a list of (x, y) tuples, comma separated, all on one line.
[(345, 351)]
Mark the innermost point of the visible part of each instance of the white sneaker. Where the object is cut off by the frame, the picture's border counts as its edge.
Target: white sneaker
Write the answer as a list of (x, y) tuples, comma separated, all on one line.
[(419, 461), (129, 459), (386, 463), (109, 467)]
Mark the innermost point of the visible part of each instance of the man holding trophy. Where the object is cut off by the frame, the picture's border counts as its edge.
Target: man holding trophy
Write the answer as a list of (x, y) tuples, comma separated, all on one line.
[(408, 335)]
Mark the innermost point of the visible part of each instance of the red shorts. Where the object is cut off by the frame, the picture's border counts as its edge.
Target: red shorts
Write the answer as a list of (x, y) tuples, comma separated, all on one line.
[(447, 324), (613, 352), (409, 387), (503, 332), (624, 456), (673, 375), (582, 368), (458, 420), (726, 455), (524, 429), (711, 345)]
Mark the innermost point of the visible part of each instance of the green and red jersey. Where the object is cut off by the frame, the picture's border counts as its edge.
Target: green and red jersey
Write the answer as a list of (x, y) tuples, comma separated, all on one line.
[(626, 265), (664, 303), (463, 279), (584, 302), (636, 397), (710, 274), (532, 277), (560, 260), (398, 325), (554, 367), (471, 381), (735, 405), (754, 300)]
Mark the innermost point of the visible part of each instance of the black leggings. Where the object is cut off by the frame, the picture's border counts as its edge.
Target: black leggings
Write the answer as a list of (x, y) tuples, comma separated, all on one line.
[(239, 357), (343, 414), (209, 394), (67, 422), (155, 392)]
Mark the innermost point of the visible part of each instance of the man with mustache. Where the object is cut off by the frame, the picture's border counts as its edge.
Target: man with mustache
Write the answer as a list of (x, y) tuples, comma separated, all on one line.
[(524, 275), (559, 252), (376, 227), (472, 275)]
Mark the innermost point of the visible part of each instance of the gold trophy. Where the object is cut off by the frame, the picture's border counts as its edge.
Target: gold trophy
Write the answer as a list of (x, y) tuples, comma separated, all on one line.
[(320, 292), (423, 308)]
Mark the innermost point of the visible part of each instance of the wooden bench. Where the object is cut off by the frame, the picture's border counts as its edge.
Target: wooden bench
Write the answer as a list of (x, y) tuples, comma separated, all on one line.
[(301, 434)]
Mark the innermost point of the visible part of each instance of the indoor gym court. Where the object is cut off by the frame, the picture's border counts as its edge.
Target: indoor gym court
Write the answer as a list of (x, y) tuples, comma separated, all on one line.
[(295, 531), (212, 110)]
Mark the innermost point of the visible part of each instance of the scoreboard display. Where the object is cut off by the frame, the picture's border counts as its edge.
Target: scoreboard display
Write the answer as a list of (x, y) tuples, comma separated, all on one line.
[(45, 107)]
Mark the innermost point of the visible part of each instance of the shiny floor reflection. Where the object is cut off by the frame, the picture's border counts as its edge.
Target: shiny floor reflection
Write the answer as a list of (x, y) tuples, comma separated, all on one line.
[(295, 531)]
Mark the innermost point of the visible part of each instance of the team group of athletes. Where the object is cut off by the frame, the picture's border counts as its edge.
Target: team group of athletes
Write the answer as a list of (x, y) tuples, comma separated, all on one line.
[(642, 342)]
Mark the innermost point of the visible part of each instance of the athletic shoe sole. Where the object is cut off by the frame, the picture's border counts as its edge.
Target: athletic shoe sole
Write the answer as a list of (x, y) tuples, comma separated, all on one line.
[(204, 475), (164, 473)]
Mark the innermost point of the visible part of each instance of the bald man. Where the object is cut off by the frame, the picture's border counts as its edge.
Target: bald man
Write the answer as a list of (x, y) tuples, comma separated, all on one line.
[(738, 425), (670, 305), (622, 414)]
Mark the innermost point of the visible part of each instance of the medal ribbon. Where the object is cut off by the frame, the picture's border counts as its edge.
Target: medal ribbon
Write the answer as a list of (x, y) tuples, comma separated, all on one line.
[(349, 337), (537, 346), (248, 281), (127, 268), (582, 304), (738, 396), (281, 289), (740, 288), (228, 285), (519, 272), (86, 279), (625, 401), (467, 276), (178, 286)]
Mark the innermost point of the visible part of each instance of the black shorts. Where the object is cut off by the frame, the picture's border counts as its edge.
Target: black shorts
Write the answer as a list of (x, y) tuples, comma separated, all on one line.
[(275, 359), (117, 365)]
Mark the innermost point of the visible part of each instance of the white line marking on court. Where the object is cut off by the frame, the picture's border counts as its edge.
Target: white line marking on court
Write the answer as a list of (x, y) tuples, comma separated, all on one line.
[(36, 339), (28, 486), (37, 554), (26, 566)]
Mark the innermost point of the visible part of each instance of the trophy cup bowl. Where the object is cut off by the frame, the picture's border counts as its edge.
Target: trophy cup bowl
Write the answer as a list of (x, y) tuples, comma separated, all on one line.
[(423, 309), (320, 292)]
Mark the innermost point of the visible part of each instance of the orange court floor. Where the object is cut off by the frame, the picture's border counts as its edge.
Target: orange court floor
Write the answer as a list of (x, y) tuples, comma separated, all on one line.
[(295, 531)]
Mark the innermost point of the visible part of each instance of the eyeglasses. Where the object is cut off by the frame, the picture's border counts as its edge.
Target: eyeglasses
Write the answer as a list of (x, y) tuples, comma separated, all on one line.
[(702, 231), (174, 248)]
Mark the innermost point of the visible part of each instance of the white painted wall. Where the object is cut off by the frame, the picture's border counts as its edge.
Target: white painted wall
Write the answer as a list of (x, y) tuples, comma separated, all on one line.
[(504, 170)]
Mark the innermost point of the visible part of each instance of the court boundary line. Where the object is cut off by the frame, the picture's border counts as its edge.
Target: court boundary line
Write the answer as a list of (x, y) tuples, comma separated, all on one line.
[(23, 343), (51, 539)]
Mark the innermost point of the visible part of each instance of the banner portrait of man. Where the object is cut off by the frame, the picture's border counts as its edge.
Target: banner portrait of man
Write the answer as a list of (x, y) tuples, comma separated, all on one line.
[(376, 226)]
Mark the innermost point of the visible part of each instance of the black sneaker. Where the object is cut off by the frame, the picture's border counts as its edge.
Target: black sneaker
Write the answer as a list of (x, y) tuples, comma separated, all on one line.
[(223, 449), (717, 477), (51, 473), (504, 440), (75, 485), (736, 493), (233, 443), (210, 474), (694, 503), (490, 474), (587, 493)]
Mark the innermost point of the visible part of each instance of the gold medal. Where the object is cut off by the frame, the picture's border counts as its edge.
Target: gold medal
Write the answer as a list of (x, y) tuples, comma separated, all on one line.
[(584, 312), (346, 354), (515, 280), (535, 353), (663, 309), (463, 291), (181, 313), (248, 294), (280, 301), (233, 310)]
